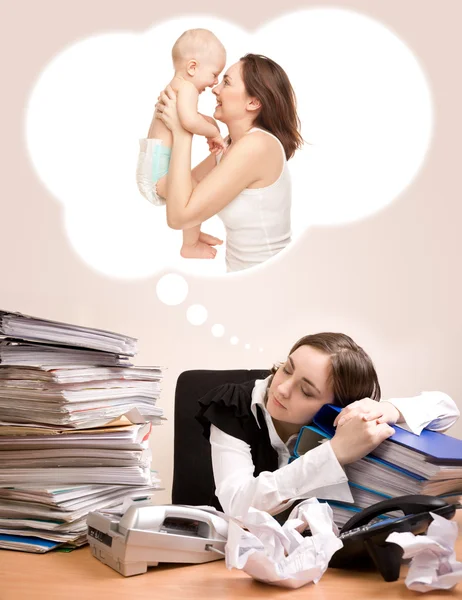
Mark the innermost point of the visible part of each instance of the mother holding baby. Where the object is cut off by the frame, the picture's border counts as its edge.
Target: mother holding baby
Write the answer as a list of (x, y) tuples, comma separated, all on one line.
[(248, 186)]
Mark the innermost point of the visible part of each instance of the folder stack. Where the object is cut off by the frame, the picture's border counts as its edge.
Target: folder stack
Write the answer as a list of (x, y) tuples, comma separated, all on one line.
[(429, 463), (75, 421)]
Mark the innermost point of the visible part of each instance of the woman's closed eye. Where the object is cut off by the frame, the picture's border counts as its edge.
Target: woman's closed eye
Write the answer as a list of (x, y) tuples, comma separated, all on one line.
[(288, 372)]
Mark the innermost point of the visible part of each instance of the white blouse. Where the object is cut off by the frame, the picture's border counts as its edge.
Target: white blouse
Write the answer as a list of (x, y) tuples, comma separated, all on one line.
[(316, 473), (257, 220)]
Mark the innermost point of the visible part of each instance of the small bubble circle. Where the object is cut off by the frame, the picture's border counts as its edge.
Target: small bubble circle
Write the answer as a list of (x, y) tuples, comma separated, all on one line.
[(197, 314), (218, 330), (172, 289)]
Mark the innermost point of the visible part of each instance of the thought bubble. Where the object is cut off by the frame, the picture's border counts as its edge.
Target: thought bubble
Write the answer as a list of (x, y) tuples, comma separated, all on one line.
[(363, 101)]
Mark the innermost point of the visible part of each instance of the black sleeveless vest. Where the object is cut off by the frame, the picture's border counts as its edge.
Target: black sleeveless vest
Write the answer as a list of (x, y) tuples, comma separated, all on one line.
[(228, 408)]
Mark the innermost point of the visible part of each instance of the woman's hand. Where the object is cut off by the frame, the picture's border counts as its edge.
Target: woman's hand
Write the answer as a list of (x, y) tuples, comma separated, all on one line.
[(167, 112), (369, 410), (356, 437)]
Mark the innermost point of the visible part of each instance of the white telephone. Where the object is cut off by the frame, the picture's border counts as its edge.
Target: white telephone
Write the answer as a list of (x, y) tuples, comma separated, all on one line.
[(147, 535)]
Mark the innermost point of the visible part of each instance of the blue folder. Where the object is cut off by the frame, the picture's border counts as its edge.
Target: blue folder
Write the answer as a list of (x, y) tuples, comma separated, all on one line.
[(438, 448), (328, 435), (28, 544)]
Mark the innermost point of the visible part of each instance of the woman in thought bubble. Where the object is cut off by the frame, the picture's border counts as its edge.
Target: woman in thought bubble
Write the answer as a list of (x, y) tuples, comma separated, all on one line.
[(248, 185)]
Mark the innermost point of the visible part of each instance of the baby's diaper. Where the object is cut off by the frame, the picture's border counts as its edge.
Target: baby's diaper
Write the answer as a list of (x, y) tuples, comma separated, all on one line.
[(153, 163)]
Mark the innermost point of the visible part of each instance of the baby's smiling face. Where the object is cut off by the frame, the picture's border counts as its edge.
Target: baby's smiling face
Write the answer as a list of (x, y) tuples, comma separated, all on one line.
[(208, 70)]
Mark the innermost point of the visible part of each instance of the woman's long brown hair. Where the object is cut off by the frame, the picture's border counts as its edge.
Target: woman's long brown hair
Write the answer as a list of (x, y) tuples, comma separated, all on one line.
[(268, 82), (353, 375)]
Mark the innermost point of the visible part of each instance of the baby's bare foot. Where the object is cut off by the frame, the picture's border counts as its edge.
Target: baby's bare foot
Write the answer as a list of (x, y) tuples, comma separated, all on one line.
[(209, 239), (198, 250)]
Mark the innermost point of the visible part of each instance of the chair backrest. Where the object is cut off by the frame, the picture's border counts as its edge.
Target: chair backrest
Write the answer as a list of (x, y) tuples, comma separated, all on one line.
[(192, 469)]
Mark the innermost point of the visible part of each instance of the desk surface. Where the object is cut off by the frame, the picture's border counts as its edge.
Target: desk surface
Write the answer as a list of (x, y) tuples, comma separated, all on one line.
[(79, 576)]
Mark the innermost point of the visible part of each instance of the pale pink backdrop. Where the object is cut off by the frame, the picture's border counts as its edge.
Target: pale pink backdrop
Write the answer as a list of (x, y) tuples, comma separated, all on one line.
[(392, 281)]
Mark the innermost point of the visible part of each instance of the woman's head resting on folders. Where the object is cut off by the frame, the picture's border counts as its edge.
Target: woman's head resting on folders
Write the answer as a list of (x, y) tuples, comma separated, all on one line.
[(324, 368), (257, 93)]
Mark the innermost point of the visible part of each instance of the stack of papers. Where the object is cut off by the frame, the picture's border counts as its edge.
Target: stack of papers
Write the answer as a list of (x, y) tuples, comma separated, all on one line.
[(87, 398), (51, 480), (15, 352), (395, 481), (75, 421), (23, 327), (58, 514)]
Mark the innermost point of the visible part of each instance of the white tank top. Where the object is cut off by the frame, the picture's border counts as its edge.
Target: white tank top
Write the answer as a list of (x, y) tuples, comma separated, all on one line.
[(257, 221)]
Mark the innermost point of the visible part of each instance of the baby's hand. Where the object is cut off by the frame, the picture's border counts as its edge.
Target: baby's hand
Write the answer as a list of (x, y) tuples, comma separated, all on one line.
[(216, 144)]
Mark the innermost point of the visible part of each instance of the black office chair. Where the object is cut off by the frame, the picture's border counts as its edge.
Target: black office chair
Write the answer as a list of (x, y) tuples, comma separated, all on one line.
[(192, 470)]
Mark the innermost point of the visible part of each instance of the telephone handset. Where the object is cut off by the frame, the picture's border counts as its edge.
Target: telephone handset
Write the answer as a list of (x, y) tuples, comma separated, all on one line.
[(409, 505), (364, 540)]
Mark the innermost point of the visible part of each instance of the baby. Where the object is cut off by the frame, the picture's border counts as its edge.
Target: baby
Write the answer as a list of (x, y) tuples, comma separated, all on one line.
[(198, 59)]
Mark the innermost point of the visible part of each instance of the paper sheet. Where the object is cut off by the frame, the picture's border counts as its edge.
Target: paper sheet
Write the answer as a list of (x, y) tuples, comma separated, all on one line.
[(280, 555), (433, 564)]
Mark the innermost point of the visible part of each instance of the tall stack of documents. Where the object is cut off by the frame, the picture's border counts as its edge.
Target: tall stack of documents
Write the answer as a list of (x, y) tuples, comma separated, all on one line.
[(75, 420), (430, 463)]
